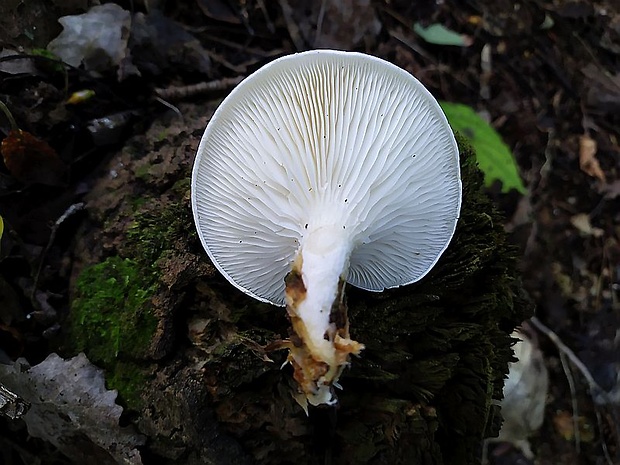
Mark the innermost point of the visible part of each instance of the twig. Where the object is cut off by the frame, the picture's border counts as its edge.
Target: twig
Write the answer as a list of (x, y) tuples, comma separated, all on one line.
[(263, 8), (293, 28), (62, 65), (573, 395), (76, 207), (8, 115), (595, 390), (599, 423), (218, 58), (486, 68), (572, 357), (244, 47), (171, 106), (415, 47), (181, 92), (319, 22)]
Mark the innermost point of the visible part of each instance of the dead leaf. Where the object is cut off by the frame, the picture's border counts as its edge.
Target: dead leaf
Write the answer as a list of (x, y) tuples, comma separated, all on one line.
[(31, 160), (587, 158), (564, 425), (96, 39), (581, 221), (218, 10), (17, 66), (159, 43), (564, 281), (611, 190), (603, 90), (525, 393), (71, 408)]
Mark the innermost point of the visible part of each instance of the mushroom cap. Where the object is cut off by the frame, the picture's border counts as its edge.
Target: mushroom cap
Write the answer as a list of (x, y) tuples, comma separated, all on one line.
[(326, 141)]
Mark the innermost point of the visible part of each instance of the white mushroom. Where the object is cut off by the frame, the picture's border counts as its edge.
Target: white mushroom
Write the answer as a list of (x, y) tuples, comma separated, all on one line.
[(324, 167)]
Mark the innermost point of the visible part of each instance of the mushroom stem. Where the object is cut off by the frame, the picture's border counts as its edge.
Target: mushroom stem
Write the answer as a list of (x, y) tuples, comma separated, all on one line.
[(320, 344)]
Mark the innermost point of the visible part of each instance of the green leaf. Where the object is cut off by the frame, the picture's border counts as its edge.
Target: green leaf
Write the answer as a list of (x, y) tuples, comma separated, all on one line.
[(440, 35), (494, 156)]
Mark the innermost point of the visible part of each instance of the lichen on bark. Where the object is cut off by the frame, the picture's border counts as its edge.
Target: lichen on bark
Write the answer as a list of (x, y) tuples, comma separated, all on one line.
[(436, 351)]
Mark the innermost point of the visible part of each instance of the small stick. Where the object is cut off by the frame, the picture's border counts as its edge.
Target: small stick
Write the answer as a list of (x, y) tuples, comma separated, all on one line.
[(573, 395), (181, 92), (603, 396), (572, 357), (76, 207), (170, 105), (9, 116), (263, 8), (291, 25), (319, 23)]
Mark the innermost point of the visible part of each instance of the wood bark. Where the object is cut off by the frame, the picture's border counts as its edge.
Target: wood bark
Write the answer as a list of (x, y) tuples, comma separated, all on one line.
[(203, 389)]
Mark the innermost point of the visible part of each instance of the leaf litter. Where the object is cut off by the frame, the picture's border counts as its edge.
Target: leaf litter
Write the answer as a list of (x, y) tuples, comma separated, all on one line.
[(553, 87)]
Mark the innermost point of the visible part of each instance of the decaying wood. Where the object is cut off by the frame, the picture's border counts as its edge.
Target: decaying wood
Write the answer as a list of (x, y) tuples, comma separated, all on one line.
[(421, 391)]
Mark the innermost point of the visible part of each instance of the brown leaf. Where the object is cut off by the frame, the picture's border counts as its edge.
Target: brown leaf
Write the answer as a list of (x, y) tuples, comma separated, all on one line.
[(587, 158), (563, 422), (31, 160), (12, 341)]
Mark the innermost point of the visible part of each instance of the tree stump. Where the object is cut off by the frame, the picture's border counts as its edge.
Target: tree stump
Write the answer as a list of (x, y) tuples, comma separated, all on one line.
[(186, 352)]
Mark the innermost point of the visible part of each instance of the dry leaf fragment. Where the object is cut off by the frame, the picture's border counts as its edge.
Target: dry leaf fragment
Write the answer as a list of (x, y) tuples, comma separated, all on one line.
[(587, 158), (219, 11), (97, 39), (31, 160), (611, 190), (581, 221), (603, 90), (17, 66), (525, 392), (564, 425), (71, 408)]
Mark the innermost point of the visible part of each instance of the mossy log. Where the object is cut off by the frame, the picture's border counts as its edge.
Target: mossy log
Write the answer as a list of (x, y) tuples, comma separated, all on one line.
[(186, 350)]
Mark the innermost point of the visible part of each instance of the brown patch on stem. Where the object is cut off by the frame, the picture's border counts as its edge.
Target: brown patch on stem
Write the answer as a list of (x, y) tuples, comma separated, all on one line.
[(295, 289), (312, 372), (338, 315)]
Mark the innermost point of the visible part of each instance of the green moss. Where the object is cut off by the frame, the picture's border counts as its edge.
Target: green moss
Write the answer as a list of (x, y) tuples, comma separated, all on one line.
[(142, 172), (129, 379), (182, 186), (111, 313), (155, 231), (112, 317), (112, 321)]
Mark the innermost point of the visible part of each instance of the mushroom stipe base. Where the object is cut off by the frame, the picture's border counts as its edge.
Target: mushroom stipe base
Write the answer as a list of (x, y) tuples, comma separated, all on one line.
[(315, 376)]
